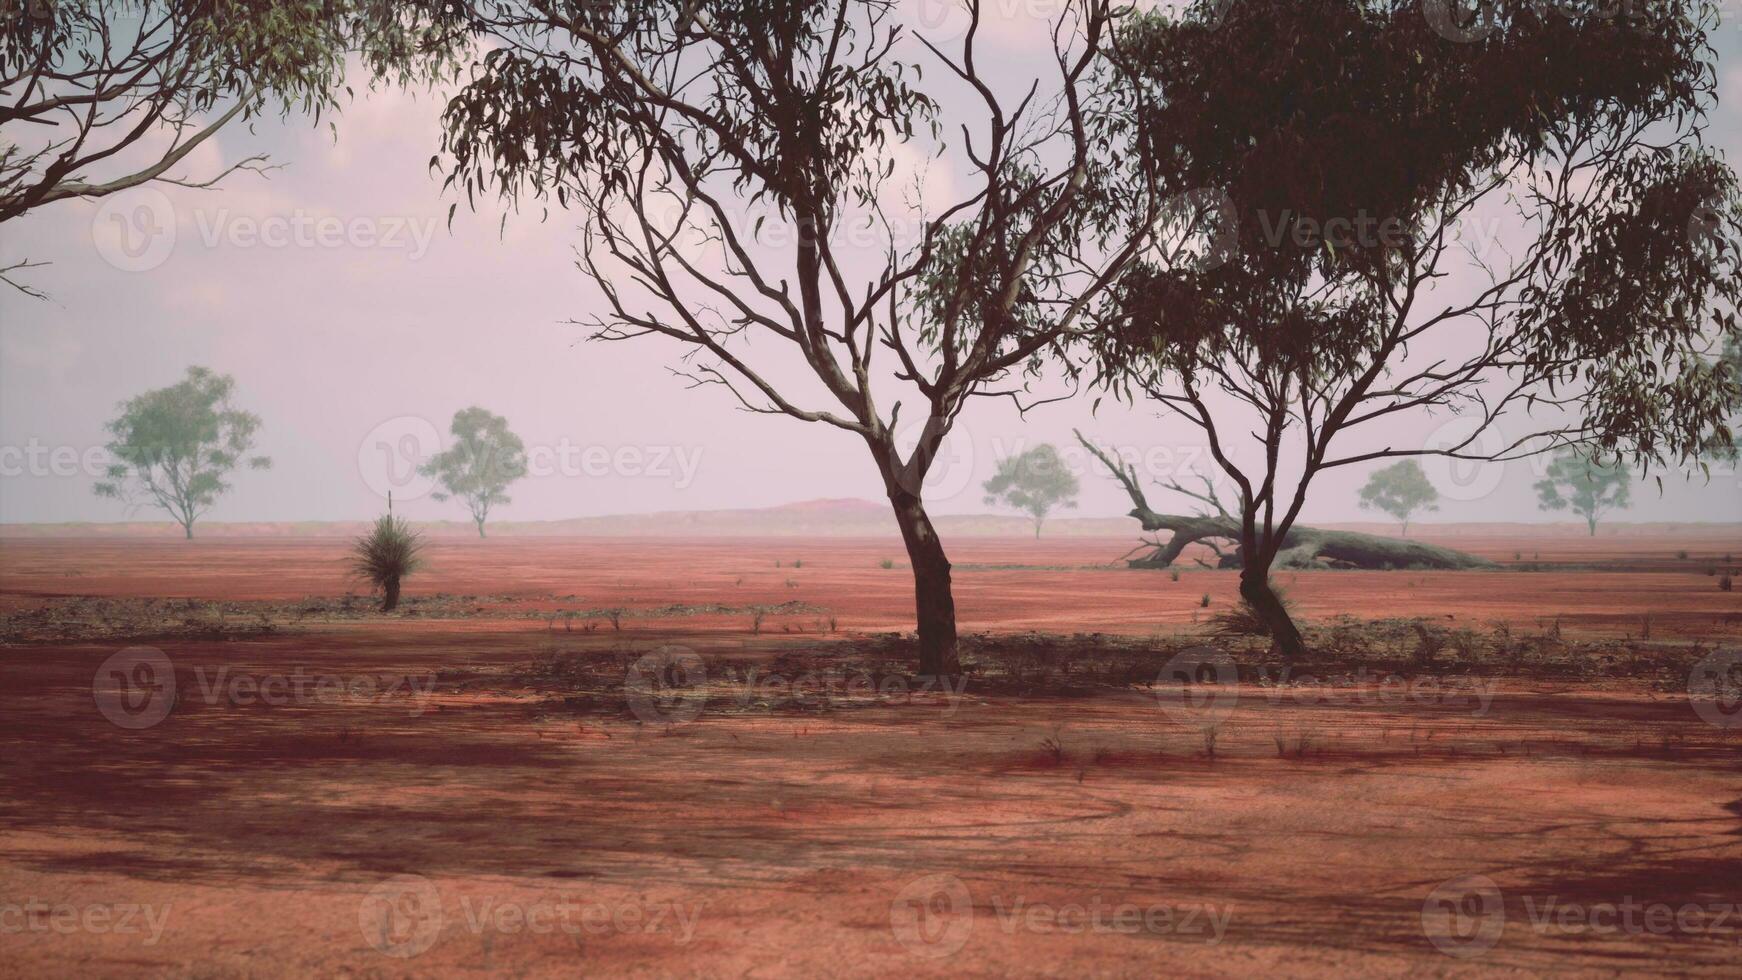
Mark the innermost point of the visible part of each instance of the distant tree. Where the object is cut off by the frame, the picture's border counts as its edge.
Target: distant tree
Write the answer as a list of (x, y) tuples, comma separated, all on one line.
[(1400, 490), (1033, 482), (484, 459), (1588, 488), (175, 446), (386, 555), (1385, 221), (105, 95)]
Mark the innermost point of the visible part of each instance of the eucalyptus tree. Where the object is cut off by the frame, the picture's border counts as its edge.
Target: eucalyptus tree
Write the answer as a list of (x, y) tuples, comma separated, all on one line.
[(1508, 230), (175, 447), (737, 167), (478, 468)]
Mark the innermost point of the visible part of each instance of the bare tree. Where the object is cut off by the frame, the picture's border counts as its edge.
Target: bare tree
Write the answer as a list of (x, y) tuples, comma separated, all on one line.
[(735, 164)]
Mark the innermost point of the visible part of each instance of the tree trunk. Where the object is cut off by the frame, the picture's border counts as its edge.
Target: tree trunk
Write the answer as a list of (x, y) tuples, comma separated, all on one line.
[(1591, 524), (188, 530), (1267, 606), (934, 602), (480, 528), (1406, 527), (390, 595)]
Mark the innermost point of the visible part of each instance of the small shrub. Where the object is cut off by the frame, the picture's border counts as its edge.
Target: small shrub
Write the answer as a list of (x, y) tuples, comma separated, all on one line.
[(387, 554), (886, 563), (1204, 603), (798, 563), (1726, 583), (1683, 555), (1173, 574)]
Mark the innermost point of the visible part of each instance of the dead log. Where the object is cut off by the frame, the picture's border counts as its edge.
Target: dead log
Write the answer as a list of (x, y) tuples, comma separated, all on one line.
[(1302, 547)]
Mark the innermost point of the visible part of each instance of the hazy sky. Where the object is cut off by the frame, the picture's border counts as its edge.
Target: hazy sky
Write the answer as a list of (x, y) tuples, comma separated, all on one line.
[(356, 323)]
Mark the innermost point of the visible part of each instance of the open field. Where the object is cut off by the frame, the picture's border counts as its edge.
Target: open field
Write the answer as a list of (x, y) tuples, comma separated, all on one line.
[(484, 782)]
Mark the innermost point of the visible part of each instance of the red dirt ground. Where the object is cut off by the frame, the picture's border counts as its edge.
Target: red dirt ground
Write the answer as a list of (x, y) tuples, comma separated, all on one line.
[(480, 828)]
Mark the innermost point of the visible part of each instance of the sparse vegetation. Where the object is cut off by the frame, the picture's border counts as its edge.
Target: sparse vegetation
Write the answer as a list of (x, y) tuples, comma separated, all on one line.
[(175, 447), (1034, 482), (485, 458), (386, 555)]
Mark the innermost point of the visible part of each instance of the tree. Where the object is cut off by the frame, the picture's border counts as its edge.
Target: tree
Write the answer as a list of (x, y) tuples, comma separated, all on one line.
[(1589, 488), (174, 447), (386, 555), (1400, 490), (1033, 482), (1322, 282), (736, 167), (484, 459), (129, 88)]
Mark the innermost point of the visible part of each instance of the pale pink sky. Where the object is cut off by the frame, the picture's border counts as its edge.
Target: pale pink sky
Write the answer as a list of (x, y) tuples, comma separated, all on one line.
[(350, 346)]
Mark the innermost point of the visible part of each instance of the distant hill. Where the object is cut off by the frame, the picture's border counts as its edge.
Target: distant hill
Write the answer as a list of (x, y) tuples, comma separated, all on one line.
[(834, 517)]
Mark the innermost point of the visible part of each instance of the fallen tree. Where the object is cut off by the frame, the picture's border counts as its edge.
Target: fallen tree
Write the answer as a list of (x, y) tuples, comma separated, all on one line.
[(1303, 547)]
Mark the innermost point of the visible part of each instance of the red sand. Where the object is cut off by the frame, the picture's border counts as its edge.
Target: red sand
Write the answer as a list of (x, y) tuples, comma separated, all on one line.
[(932, 836)]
